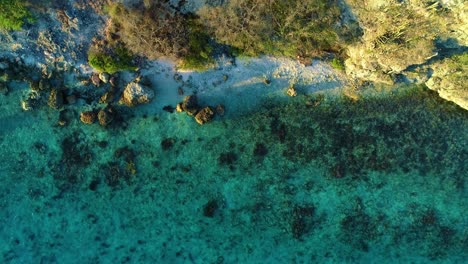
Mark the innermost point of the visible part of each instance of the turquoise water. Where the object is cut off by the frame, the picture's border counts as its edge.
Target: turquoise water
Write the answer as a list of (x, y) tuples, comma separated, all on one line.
[(315, 179)]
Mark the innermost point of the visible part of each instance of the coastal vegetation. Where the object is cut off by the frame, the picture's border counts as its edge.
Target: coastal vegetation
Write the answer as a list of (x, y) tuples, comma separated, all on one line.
[(153, 30), (295, 29), (291, 28), (110, 60), (370, 40), (13, 14), (156, 30), (200, 49)]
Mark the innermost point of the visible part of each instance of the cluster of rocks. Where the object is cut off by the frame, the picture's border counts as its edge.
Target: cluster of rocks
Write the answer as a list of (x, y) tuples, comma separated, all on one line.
[(135, 93), (202, 115), (104, 116), (100, 92), (48, 90)]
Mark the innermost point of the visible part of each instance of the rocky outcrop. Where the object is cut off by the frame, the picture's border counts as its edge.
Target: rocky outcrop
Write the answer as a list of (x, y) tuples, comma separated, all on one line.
[(136, 93), (95, 80), (291, 91), (104, 77), (106, 116), (397, 36), (88, 117), (31, 101), (55, 99), (108, 97), (189, 105), (204, 116), (449, 79)]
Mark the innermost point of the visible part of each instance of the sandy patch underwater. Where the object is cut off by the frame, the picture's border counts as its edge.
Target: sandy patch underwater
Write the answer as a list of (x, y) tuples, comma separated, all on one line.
[(316, 178)]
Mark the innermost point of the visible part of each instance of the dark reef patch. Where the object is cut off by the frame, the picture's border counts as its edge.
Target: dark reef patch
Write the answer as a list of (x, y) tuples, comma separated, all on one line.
[(121, 168), (227, 158), (359, 229), (167, 143), (260, 150), (210, 208), (302, 220), (404, 131), (76, 156)]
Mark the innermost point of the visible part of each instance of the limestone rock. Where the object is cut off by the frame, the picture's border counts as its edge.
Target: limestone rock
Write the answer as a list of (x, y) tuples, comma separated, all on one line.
[(31, 101), (108, 97), (95, 79), (88, 117), (179, 108), (135, 93), (189, 105), (104, 77), (106, 116), (449, 80), (291, 91), (204, 116), (113, 81)]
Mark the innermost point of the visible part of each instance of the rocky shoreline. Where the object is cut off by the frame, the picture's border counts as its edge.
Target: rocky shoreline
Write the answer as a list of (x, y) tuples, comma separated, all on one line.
[(50, 56), (260, 159)]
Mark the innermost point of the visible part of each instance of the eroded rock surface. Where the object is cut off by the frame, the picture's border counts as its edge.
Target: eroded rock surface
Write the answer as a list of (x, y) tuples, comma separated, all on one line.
[(136, 93)]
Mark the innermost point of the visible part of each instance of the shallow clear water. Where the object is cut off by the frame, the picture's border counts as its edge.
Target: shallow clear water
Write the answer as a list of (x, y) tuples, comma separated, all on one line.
[(311, 180)]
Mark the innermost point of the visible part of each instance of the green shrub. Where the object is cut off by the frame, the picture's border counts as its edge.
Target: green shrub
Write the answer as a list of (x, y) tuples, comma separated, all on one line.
[(338, 64), (461, 59), (116, 60), (13, 14), (199, 56)]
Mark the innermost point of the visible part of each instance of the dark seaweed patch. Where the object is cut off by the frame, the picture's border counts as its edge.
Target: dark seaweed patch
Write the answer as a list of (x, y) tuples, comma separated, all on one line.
[(210, 208), (167, 143)]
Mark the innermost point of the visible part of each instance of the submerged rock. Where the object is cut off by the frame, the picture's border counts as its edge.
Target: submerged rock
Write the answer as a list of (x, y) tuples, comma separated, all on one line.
[(168, 108), (71, 99), (291, 91), (204, 116), (95, 79), (31, 101), (210, 208), (106, 116), (3, 88), (135, 93), (88, 117), (179, 108), (189, 105), (41, 85), (104, 77), (220, 110), (107, 97), (56, 99)]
